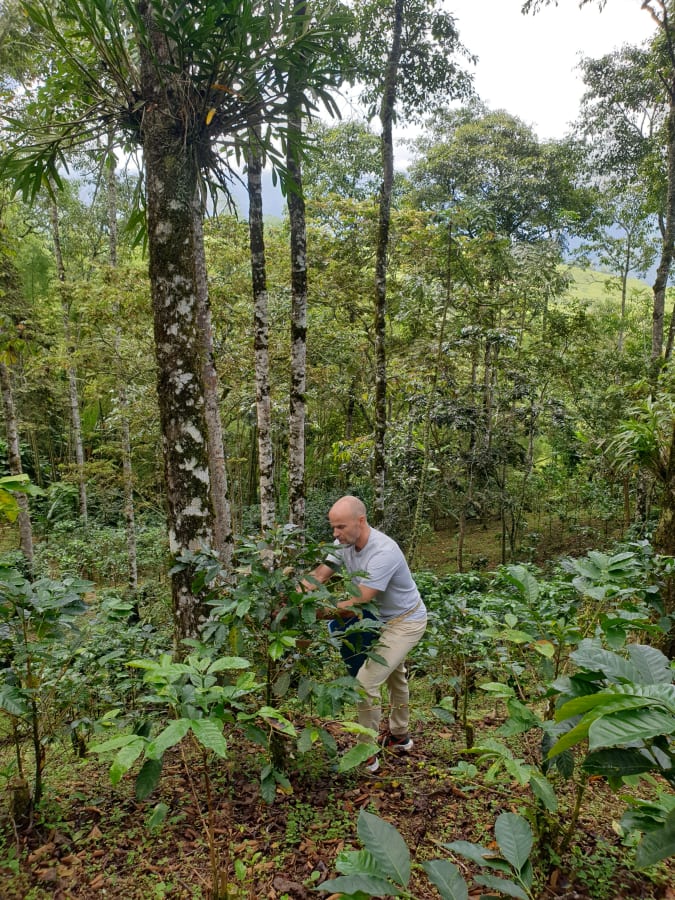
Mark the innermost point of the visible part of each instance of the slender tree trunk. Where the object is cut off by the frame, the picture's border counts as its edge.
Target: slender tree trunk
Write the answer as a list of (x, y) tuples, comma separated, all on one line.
[(667, 248), (122, 399), (624, 294), (381, 260), (14, 454), (75, 420), (223, 538), (260, 331), (296, 439), (171, 185)]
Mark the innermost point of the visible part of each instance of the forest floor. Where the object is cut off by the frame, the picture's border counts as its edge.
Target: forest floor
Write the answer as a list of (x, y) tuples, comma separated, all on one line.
[(91, 839)]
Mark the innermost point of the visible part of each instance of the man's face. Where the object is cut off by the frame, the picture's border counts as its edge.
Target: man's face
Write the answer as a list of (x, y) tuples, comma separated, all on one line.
[(346, 526)]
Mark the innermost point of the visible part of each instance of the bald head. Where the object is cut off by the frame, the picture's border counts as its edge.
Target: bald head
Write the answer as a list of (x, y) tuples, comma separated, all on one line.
[(350, 506), (349, 522)]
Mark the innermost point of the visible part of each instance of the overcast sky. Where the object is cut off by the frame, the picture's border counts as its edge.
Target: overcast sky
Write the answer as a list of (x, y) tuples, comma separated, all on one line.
[(526, 64)]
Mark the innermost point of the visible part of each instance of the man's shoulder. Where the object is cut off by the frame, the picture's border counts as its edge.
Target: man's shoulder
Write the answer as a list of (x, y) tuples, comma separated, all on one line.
[(382, 541)]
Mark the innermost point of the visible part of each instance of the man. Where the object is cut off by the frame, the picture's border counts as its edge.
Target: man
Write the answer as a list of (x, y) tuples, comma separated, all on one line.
[(388, 585)]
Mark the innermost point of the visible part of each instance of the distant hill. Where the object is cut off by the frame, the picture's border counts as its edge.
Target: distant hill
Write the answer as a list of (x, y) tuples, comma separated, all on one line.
[(598, 287)]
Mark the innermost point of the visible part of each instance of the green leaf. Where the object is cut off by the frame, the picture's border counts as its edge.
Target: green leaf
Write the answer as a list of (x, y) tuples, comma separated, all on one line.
[(227, 663), (158, 815), (525, 582), (282, 684), (12, 700), (358, 862), (591, 655), (174, 732), (514, 836), (544, 648), (497, 689), (384, 841), (114, 743), (658, 844), (209, 733), (308, 737), (447, 879), (543, 789), (356, 755), (617, 763), (125, 759), (474, 852), (357, 886), (653, 666), (148, 778), (632, 725), (502, 885), (279, 721)]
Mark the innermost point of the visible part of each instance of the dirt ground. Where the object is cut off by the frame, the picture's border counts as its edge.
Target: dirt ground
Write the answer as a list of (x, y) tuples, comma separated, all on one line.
[(92, 839)]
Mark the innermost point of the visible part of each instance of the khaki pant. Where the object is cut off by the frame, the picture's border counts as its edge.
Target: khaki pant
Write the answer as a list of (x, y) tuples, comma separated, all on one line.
[(395, 642)]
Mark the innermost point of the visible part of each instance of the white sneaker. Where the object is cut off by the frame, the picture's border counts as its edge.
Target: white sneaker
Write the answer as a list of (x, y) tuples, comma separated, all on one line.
[(372, 764)]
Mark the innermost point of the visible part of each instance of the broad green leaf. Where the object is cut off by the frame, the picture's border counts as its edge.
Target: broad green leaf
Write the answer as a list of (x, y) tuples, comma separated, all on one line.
[(227, 663), (278, 720), (544, 648), (447, 879), (525, 582), (383, 840), (591, 655), (174, 732), (617, 763), (608, 701), (510, 888), (574, 736), (114, 743), (497, 689), (653, 666), (308, 737), (158, 815), (633, 725), (268, 785), (356, 755), (543, 789), (12, 700), (148, 778), (518, 770), (209, 733), (474, 852), (358, 886), (125, 759), (514, 837), (358, 862), (282, 684), (658, 844)]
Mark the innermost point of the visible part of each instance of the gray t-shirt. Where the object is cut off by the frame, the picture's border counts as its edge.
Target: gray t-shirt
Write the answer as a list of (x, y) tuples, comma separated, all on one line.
[(387, 573)]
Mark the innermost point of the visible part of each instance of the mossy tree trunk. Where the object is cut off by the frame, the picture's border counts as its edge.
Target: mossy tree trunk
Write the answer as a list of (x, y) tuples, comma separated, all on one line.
[(171, 184)]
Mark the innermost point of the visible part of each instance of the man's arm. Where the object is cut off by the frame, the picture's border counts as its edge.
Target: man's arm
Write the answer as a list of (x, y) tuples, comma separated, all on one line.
[(321, 574), (324, 573)]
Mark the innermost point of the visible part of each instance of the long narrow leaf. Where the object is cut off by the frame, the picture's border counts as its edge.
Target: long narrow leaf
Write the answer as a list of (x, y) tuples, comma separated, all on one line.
[(386, 845), (447, 879)]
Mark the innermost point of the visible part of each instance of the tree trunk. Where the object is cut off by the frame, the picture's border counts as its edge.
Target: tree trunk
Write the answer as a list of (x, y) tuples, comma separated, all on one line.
[(296, 438), (381, 260), (75, 421), (122, 399), (14, 455), (171, 185), (260, 331), (223, 538), (663, 270)]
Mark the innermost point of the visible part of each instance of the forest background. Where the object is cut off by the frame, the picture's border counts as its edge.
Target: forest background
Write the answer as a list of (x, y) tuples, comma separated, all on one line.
[(465, 344)]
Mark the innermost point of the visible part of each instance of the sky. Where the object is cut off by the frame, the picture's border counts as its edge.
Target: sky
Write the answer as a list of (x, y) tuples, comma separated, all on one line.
[(527, 63)]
